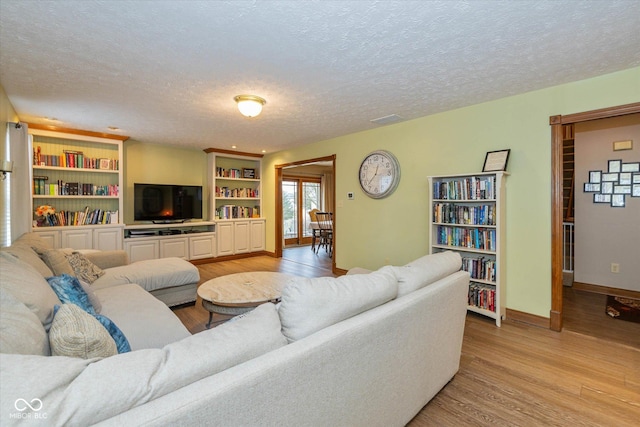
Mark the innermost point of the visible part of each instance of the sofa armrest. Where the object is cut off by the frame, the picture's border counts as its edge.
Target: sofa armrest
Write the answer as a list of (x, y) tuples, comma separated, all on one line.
[(358, 270), (107, 259)]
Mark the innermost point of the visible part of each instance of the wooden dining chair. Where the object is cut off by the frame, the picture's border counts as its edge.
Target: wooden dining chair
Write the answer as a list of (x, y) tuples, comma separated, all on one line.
[(315, 230), (325, 225)]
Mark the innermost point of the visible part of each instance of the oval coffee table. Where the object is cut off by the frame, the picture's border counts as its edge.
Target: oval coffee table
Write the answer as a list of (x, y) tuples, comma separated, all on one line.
[(239, 293)]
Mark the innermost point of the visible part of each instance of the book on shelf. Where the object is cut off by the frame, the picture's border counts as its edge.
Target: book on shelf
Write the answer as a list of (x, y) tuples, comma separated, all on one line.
[(470, 188), (482, 296), (471, 238)]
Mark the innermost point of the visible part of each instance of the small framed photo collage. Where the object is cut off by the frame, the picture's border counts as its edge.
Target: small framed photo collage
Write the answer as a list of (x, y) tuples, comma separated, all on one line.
[(612, 187)]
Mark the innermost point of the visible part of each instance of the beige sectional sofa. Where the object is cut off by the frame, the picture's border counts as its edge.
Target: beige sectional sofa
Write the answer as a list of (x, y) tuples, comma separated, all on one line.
[(359, 350)]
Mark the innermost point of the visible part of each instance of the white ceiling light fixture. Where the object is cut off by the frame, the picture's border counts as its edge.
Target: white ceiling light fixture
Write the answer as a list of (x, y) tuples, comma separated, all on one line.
[(250, 105)]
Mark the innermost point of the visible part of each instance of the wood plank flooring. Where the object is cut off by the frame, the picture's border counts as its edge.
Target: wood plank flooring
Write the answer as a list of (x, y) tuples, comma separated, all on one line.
[(516, 375)]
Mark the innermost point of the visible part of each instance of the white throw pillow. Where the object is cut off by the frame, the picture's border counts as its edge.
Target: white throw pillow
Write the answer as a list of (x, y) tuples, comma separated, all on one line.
[(309, 305)]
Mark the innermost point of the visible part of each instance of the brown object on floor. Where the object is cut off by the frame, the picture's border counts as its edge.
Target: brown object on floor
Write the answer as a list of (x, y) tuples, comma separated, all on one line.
[(623, 308)]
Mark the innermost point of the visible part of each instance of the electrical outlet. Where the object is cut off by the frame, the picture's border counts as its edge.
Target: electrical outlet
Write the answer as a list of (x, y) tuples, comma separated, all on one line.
[(615, 267)]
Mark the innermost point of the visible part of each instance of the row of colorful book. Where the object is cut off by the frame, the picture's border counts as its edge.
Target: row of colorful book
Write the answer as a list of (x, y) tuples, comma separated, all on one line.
[(228, 173), (450, 213), (473, 238), (236, 192), (86, 217), (74, 159), (233, 212), (480, 268), (482, 296), (473, 188), (62, 188)]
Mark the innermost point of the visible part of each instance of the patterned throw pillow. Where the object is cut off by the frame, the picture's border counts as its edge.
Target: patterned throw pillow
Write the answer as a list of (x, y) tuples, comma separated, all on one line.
[(122, 344), (76, 333), (83, 268), (69, 290)]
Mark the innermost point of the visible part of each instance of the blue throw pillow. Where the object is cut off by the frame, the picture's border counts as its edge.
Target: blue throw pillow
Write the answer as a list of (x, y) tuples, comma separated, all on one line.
[(121, 341), (69, 290)]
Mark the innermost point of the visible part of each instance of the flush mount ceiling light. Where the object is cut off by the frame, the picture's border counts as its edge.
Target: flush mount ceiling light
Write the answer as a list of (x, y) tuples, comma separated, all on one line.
[(249, 105)]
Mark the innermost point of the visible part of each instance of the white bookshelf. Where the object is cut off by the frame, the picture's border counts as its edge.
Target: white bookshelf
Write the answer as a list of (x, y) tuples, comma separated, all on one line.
[(468, 216)]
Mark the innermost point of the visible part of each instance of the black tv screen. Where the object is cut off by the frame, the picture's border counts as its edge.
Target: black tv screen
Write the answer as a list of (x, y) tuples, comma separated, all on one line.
[(166, 203)]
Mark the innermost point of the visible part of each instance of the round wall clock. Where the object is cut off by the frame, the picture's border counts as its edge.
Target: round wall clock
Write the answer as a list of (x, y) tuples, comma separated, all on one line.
[(379, 174)]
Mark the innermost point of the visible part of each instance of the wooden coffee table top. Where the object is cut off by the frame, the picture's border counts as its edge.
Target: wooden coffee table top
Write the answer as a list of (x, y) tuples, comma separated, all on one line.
[(244, 289)]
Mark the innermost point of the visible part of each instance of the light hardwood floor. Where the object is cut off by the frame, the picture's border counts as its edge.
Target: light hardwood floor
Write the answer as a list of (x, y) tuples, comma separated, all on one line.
[(516, 375)]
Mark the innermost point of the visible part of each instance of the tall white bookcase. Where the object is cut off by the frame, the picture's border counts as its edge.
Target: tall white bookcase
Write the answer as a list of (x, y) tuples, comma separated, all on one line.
[(468, 216)]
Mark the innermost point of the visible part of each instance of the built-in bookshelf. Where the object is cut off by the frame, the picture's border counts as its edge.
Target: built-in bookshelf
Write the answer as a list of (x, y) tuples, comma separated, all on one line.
[(77, 178), (467, 216), (235, 180), (236, 186)]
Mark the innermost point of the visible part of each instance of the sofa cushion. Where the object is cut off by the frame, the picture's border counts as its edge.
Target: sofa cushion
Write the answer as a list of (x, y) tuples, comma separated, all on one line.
[(144, 320), (69, 290), (76, 333), (28, 286), (56, 260), (309, 305), (151, 274), (27, 254), (69, 390), (93, 298), (426, 270), (83, 268), (20, 329)]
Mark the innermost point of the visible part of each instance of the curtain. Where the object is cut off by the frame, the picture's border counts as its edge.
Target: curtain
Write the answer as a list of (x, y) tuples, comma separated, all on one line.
[(327, 192), (15, 214)]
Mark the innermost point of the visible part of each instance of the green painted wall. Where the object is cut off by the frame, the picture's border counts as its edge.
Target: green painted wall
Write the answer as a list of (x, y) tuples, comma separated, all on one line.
[(161, 164), (371, 233)]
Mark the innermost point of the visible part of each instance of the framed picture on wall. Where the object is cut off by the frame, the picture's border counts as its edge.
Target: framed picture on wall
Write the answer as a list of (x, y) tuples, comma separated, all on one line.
[(630, 167), (617, 200), (625, 178), (610, 177), (602, 198), (615, 165), (496, 161), (635, 190), (636, 178), (607, 188), (591, 188), (595, 176)]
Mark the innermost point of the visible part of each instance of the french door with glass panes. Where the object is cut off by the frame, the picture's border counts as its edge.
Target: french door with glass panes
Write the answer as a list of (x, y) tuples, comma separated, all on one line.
[(299, 196)]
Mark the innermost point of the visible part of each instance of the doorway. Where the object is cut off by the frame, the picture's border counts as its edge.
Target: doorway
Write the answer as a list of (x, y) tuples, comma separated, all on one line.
[(299, 172), (300, 195), (557, 206)]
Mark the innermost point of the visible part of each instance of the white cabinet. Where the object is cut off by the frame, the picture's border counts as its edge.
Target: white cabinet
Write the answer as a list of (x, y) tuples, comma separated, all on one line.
[(103, 237), (189, 240), (107, 238), (257, 235), (142, 249), (174, 247), (468, 216), (241, 237), (224, 238), (77, 238), (202, 246)]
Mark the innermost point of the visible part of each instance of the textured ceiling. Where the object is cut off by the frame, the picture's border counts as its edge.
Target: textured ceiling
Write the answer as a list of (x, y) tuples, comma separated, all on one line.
[(167, 71)]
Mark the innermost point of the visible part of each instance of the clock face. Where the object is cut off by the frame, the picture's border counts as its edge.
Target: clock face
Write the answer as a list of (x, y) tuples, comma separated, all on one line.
[(379, 174)]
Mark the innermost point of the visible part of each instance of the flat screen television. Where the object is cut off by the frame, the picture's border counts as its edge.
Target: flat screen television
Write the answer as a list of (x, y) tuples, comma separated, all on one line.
[(164, 203)]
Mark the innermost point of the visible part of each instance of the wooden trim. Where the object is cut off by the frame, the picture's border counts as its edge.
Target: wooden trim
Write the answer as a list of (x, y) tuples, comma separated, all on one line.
[(77, 132), (338, 271), (530, 319), (605, 290), (556, 226), (556, 123), (603, 113), (331, 158), (235, 152), (278, 225)]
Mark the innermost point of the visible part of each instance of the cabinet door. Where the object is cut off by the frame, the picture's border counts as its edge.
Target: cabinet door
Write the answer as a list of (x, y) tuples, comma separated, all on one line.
[(224, 235), (242, 237), (52, 237), (202, 246), (257, 236), (174, 247), (107, 239), (77, 239), (140, 250)]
